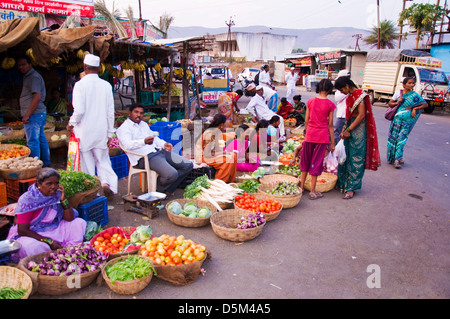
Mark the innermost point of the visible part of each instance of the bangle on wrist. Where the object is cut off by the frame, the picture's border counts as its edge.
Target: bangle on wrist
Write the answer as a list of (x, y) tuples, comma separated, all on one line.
[(348, 129), (65, 204), (48, 241)]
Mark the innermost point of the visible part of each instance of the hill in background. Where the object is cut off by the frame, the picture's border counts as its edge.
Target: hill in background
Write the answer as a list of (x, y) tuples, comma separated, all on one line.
[(306, 38)]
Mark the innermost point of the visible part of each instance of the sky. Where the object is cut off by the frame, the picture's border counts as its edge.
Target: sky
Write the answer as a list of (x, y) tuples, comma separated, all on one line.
[(289, 14)]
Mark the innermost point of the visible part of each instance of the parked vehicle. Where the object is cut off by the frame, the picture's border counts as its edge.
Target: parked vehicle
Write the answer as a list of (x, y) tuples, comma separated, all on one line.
[(385, 70), (220, 83), (247, 74)]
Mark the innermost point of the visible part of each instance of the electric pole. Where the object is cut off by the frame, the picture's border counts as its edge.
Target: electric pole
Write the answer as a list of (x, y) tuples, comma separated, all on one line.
[(378, 25), (230, 23), (358, 37)]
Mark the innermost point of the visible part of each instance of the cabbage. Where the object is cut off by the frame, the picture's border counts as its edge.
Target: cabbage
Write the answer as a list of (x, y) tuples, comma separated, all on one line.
[(164, 119), (189, 204), (193, 215), (190, 209), (145, 232), (135, 237), (175, 208), (204, 212)]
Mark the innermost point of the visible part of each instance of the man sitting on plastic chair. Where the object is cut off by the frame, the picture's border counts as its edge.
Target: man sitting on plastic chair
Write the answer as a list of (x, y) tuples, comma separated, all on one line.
[(135, 135)]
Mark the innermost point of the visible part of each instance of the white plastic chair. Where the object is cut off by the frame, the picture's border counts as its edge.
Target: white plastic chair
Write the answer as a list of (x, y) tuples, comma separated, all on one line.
[(151, 176)]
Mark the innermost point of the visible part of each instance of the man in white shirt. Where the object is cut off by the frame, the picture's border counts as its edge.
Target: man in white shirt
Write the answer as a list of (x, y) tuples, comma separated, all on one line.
[(264, 77), (271, 98), (291, 78), (136, 135), (92, 122), (259, 109), (341, 105)]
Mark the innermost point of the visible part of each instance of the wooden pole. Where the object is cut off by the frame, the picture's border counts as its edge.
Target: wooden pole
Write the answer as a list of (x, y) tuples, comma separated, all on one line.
[(378, 25), (169, 90), (184, 81)]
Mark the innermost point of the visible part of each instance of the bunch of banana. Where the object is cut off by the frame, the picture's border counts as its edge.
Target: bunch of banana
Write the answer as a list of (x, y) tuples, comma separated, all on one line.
[(81, 54), (55, 60), (126, 65), (101, 69), (8, 63), (29, 52), (188, 74), (72, 68), (158, 67), (116, 73), (178, 73), (108, 67)]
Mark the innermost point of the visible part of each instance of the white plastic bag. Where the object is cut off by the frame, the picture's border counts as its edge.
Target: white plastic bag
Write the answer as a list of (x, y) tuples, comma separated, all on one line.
[(339, 151), (330, 163)]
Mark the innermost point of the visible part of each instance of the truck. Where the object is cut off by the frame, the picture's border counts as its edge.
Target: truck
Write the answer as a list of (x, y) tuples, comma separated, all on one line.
[(219, 83), (385, 70)]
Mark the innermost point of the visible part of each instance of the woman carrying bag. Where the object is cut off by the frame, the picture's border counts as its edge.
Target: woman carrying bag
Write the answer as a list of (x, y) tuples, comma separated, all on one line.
[(409, 107)]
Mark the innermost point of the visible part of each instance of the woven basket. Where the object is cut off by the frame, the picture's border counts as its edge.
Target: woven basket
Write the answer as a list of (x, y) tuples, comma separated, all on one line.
[(330, 182), (14, 135), (114, 151), (289, 123), (14, 174), (84, 197), (59, 143), (126, 287), (275, 178), (54, 285), (268, 216), (223, 224), (189, 221), (288, 201), (16, 126), (15, 278), (8, 147), (49, 127), (120, 230)]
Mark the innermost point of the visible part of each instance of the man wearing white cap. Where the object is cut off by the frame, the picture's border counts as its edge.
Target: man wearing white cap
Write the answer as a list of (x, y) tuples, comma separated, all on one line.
[(291, 79), (259, 109), (93, 123)]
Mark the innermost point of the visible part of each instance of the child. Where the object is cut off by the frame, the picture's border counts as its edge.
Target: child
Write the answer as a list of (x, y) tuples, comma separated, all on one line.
[(319, 131)]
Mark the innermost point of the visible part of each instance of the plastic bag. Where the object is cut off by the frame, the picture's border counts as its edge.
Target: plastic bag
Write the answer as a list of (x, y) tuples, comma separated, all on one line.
[(73, 154), (339, 151), (330, 163)]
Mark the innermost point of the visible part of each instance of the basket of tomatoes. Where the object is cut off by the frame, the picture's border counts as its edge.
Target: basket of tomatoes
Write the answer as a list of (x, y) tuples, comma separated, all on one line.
[(175, 258), (8, 151), (258, 203), (115, 242)]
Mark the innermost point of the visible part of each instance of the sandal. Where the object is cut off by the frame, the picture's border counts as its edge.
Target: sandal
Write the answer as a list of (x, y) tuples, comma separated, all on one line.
[(397, 164), (401, 161), (315, 195), (348, 195)]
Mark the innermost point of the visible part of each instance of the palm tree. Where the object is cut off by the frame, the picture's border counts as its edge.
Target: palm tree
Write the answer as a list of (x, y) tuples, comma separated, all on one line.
[(164, 23), (421, 17), (101, 10), (388, 34)]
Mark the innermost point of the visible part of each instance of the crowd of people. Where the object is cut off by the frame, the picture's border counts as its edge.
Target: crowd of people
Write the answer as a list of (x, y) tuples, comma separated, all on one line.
[(44, 214)]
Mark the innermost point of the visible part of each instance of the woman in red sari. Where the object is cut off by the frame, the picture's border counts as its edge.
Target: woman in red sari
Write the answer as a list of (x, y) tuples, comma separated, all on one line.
[(360, 139)]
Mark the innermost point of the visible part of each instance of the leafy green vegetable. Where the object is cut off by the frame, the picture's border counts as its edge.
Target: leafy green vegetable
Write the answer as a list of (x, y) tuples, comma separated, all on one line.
[(249, 186), (76, 182), (145, 232), (193, 190), (175, 207), (130, 268), (259, 172), (92, 229)]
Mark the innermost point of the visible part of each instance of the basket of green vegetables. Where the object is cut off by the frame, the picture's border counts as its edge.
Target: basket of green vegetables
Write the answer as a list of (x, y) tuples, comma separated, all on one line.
[(14, 283), (287, 193), (128, 275), (80, 187)]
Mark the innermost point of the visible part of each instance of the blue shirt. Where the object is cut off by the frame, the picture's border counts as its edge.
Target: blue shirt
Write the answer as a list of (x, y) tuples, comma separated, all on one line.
[(32, 83)]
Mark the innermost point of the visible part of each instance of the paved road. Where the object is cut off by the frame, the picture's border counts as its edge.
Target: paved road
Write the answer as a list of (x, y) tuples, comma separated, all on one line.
[(394, 230)]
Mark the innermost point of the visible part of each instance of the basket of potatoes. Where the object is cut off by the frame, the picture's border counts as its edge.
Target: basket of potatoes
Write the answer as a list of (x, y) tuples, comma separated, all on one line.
[(20, 168)]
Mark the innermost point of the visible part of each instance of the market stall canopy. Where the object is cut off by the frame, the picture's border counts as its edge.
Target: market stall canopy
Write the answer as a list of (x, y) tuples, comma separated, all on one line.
[(15, 31), (195, 44), (50, 44)]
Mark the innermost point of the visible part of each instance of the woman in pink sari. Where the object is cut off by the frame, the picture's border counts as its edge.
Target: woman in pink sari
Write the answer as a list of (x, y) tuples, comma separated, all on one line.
[(44, 219), (245, 163)]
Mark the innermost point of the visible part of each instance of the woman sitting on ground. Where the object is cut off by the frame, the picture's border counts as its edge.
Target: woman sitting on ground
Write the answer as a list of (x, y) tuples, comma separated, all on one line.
[(209, 150), (45, 219), (240, 145)]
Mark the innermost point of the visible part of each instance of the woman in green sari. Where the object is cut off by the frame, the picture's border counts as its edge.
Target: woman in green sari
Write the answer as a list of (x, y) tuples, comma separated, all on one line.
[(57, 104), (410, 107), (360, 138)]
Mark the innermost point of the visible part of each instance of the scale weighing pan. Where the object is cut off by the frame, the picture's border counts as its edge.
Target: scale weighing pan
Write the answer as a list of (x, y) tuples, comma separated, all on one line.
[(9, 246), (152, 196)]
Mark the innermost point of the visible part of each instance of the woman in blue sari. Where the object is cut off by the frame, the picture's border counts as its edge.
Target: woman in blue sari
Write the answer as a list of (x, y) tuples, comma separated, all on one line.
[(411, 106)]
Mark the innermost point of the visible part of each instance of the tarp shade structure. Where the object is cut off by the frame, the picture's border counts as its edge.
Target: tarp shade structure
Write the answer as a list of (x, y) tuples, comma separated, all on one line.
[(15, 31)]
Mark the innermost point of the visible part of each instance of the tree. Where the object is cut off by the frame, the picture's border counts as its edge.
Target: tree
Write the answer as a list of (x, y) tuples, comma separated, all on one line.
[(388, 34), (421, 17), (164, 23)]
